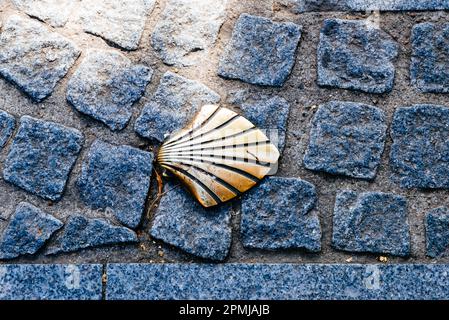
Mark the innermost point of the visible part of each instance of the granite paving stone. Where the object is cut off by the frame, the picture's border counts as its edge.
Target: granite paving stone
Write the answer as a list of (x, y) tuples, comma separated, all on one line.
[(33, 57), (54, 12), (276, 215), (300, 6), (51, 282), (41, 157), (181, 221), (27, 231), (116, 179), (356, 55), (346, 138), (173, 105), (437, 232), (271, 116), (430, 57), (260, 51), (371, 222), (419, 156), (7, 126), (120, 22), (81, 233), (187, 27), (276, 281), (106, 85)]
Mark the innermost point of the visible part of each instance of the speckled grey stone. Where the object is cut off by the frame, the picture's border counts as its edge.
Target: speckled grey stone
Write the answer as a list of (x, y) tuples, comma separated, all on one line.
[(276, 281), (187, 27), (50, 282), (27, 231), (181, 221), (173, 105), (276, 215), (106, 85), (346, 138), (54, 12), (300, 6), (371, 222), (356, 55), (437, 232), (116, 179), (419, 156), (430, 57), (34, 58), (41, 157), (120, 22), (260, 51), (7, 126), (271, 116), (81, 233)]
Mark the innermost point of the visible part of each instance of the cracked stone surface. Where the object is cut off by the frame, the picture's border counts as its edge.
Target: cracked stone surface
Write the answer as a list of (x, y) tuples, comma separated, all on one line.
[(7, 126), (54, 12), (271, 116), (419, 156), (437, 232), (120, 22), (346, 138), (371, 222), (356, 55), (105, 87), (33, 57), (116, 179), (82, 233), (174, 103), (27, 231), (430, 57), (41, 157), (260, 51), (187, 27), (276, 215), (182, 222)]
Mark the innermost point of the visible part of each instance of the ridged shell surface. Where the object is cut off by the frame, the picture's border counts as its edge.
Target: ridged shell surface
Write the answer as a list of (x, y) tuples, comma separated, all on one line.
[(219, 155)]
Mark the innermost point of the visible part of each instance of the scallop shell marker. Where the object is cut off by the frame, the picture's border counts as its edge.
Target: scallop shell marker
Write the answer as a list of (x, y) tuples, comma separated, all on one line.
[(219, 155)]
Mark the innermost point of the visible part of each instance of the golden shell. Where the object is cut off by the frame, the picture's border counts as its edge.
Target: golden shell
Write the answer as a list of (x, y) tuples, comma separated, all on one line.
[(219, 155)]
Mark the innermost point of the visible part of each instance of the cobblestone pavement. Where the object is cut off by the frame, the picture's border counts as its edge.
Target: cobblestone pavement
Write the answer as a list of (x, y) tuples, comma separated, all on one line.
[(358, 100)]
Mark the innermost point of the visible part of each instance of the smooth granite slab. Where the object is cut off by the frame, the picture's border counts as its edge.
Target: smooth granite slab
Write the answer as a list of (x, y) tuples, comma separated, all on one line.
[(277, 281), (299, 6), (51, 282)]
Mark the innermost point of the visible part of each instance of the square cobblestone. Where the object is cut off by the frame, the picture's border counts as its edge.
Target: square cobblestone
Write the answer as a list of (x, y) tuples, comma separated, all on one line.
[(419, 156), (181, 221), (371, 222), (429, 69), (117, 179), (260, 51), (7, 126), (118, 21), (27, 231), (276, 215), (33, 57), (106, 85), (437, 232), (41, 157), (271, 116), (356, 55), (346, 138), (54, 12), (187, 27), (173, 105)]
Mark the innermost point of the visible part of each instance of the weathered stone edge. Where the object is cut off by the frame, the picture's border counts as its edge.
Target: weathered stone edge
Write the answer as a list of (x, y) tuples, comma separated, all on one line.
[(224, 281)]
